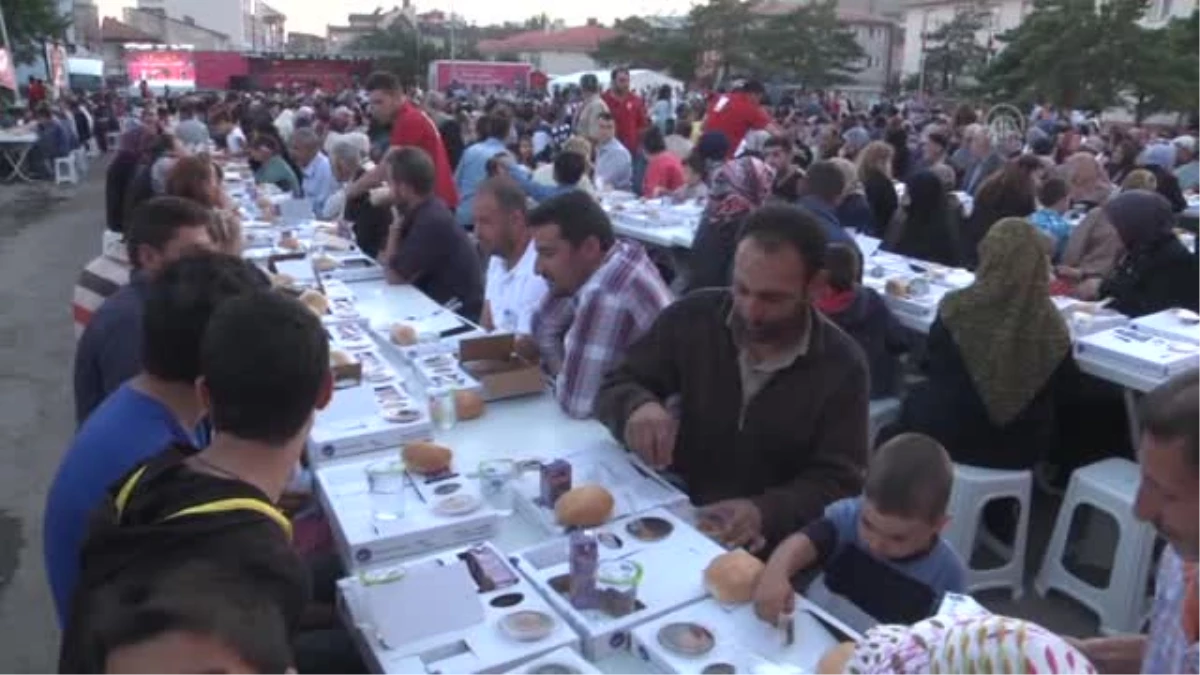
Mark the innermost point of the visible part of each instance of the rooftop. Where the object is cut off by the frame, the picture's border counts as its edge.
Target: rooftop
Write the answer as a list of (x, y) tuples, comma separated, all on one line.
[(112, 30), (576, 39)]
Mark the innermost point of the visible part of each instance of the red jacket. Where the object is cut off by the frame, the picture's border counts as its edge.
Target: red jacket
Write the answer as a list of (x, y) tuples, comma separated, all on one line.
[(629, 115)]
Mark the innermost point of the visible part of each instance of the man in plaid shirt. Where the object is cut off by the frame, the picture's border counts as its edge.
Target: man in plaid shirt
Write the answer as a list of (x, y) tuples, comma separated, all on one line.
[(604, 294)]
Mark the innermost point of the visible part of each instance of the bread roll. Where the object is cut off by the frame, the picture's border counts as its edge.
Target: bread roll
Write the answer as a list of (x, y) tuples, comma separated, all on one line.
[(834, 661), (468, 405), (324, 263), (404, 335), (315, 301), (282, 280), (584, 506), (896, 287), (731, 577), (290, 243), (338, 357), (424, 457)]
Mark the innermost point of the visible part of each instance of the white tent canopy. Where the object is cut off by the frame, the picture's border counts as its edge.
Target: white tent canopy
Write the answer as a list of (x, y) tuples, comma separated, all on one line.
[(639, 79)]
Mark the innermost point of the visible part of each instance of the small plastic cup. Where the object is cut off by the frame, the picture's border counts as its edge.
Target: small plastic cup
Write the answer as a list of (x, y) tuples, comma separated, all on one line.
[(385, 482)]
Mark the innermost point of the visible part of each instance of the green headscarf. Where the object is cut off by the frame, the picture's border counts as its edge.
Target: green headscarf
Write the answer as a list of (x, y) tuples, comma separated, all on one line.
[(1009, 333)]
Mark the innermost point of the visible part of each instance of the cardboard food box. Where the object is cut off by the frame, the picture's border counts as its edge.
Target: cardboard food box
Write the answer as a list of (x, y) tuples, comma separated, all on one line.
[(671, 554), (355, 422), (503, 373), (296, 266), (450, 613), (708, 637), (564, 660), (634, 486), (425, 525), (352, 266), (1139, 352), (1171, 324)]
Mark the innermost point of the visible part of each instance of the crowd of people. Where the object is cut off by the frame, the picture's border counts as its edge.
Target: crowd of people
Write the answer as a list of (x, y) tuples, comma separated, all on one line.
[(744, 373)]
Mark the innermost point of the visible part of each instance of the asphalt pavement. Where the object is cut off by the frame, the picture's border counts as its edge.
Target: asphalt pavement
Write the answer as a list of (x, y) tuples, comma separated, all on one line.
[(47, 234)]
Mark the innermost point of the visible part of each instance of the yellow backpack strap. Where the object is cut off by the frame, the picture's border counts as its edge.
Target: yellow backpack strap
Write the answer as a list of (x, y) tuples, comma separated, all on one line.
[(126, 490), (238, 504)]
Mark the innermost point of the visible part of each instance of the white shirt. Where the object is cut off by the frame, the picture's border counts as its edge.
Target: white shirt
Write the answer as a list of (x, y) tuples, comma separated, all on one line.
[(235, 140), (513, 294)]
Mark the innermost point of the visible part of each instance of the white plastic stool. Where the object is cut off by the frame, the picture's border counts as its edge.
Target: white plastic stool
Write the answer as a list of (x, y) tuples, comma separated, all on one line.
[(81, 161), (1109, 486), (975, 488), (64, 170)]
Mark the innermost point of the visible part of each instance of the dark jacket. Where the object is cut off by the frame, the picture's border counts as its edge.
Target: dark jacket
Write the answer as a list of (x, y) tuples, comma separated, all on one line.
[(827, 218), (881, 195), (128, 551), (948, 407), (855, 213), (869, 321), (116, 184), (437, 258), (1160, 276), (798, 446), (710, 260), (370, 222), (110, 350)]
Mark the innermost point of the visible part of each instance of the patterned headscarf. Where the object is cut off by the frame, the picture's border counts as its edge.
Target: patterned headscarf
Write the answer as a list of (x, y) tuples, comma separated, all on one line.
[(738, 187), (965, 644), (1010, 335)]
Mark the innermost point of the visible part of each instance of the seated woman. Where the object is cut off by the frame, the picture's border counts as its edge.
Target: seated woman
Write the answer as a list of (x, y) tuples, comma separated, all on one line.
[(198, 179), (875, 172), (1008, 193), (928, 228), (738, 187), (1157, 272), (853, 211), (273, 169), (997, 352), (664, 171), (1093, 248), (1089, 185)]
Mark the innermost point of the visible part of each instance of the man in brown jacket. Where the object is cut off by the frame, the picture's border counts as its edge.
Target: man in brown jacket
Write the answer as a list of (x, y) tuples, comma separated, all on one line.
[(772, 424)]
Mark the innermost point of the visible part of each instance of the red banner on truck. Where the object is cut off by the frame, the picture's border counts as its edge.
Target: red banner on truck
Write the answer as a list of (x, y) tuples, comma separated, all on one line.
[(444, 75)]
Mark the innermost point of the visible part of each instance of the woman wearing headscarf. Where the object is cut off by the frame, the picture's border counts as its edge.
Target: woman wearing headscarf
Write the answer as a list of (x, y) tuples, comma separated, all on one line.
[(1008, 193), (853, 212), (996, 354), (1156, 272), (1094, 246), (1085, 177), (928, 228), (1122, 160), (738, 187), (1159, 159)]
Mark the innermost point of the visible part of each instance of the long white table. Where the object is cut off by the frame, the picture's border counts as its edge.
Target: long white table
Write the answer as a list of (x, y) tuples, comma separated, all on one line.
[(15, 148)]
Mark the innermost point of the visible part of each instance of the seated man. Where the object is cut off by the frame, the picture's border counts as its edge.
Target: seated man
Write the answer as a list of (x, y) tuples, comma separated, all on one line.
[(160, 231), (772, 422), (514, 289), (318, 182), (157, 407), (604, 294), (426, 248), (568, 167), (614, 164), (264, 372)]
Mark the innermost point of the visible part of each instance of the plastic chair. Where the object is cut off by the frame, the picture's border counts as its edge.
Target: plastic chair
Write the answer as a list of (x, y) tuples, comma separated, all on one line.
[(81, 160), (975, 488), (1109, 486), (64, 170)]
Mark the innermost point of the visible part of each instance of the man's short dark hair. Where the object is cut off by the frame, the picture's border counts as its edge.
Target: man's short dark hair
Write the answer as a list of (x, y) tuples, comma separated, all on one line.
[(589, 83), (198, 598), (382, 81), (569, 168), (754, 87), (910, 476), (179, 304), (507, 193), (777, 225), (264, 359), (577, 216), (1052, 191), (412, 167), (826, 181), (617, 71), (653, 141), (155, 222), (696, 162), (782, 142), (842, 262), (1168, 413)]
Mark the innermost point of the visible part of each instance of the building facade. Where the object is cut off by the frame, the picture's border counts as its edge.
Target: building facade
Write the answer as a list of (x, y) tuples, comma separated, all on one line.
[(182, 31), (305, 43), (554, 51), (339, 38), (250, 25)]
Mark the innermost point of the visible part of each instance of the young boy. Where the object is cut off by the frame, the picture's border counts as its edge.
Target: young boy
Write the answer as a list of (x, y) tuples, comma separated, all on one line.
[(865, 317), (882, 551), (694, 187), (1054, 196)]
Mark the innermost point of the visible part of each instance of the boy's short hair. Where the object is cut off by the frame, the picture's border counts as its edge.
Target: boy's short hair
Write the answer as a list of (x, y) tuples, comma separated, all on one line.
[(1052, 191), (842, 263), (910, 476)]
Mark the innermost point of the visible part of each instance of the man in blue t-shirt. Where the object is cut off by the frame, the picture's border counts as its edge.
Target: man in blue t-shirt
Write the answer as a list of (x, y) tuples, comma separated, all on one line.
[(156, 408), (883, 551), (159, 232)]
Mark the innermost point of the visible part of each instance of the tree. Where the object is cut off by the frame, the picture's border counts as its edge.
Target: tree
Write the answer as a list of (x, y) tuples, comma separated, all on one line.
[(651, 45), (401, 50), (1070, 53), (1171, 85), (29, 23), (952, 52), (809, 46)]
